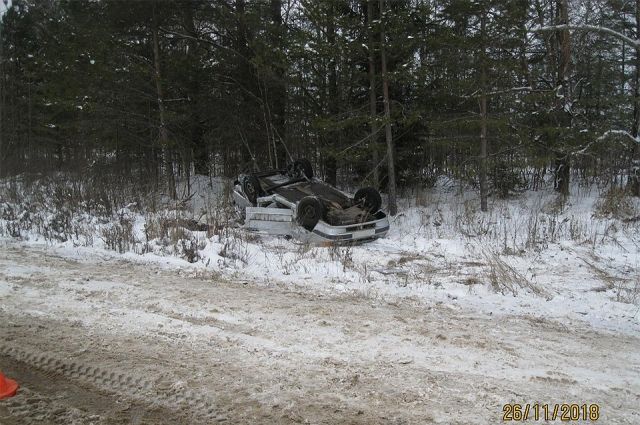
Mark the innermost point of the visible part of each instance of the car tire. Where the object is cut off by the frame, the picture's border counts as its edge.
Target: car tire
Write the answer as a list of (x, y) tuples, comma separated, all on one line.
[(251, 188), (369, 198), (308, 212), (240, 213), (302, 167)]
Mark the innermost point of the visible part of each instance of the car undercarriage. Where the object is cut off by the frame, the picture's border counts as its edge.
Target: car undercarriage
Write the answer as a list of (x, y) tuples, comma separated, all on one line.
[(292, 202)]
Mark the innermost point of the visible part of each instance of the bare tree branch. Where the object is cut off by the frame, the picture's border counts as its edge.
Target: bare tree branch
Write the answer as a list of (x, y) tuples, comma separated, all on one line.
[(603, 30), (619, 133)]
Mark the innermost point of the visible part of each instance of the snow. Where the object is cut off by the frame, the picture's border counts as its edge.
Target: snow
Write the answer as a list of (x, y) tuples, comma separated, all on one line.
[(624, 133), (528, 256), (413, 346)]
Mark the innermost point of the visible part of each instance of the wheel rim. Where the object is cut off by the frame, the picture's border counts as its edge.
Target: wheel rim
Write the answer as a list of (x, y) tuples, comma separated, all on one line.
[(309, 212)]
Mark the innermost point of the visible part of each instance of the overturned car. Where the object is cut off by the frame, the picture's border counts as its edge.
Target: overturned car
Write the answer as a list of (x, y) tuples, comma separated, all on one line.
[(292, 202)]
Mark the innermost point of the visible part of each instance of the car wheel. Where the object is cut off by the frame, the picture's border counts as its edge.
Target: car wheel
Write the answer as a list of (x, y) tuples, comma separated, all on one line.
[(369, 198), (251, 188), (240, 213), (308, 212), (303, 168)]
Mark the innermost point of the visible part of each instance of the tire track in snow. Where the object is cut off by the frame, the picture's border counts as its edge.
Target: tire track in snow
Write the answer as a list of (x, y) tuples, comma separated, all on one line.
[(121, 383)]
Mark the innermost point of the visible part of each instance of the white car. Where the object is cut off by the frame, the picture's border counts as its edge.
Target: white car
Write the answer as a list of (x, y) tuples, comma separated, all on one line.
[(291, 202)]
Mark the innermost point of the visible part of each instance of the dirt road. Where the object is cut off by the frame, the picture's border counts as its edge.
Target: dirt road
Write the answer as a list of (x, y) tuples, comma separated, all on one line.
[(110, 342)]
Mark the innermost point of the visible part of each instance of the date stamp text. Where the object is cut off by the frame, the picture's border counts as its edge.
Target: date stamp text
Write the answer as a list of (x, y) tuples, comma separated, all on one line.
[(564, 412)]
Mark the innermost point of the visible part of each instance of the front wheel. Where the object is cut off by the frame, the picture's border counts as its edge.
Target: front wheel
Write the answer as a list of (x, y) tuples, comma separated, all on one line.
[(308, 212)]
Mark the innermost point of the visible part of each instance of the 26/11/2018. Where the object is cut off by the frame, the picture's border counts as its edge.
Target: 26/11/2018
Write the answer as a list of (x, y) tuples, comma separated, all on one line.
[(550, 412)]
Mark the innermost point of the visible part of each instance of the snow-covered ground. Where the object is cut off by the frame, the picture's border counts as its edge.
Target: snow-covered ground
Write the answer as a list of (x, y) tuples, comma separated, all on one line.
[(453, 314), (105, 341), (529, 255)]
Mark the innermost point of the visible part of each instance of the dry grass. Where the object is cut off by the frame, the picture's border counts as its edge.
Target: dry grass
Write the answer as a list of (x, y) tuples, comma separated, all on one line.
[(471, 281), (627, 291), (616, 203), (505, 279), (119, 235)]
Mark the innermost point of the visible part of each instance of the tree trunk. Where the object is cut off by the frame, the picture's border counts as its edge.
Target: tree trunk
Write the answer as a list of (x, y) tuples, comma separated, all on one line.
[(278, 95), (483, 152), (2, 104), (372, 96), (562, 104), (331, 166), (199, 149), (246, 77), (29, 121), (482, 174), (633, 183), (391, 157), (562, 175), (163, 134)]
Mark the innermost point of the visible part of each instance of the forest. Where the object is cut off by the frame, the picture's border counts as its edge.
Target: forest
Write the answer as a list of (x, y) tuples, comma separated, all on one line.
[(319, 211), (504, 95)]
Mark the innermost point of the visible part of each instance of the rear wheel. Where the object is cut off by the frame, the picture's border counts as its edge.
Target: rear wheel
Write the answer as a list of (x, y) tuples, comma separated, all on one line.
[(302, 168), (308, 212), (251, 188), (368, 198)]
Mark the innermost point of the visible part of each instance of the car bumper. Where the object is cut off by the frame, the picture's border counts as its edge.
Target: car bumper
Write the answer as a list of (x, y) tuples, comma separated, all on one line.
[(353, 232)]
